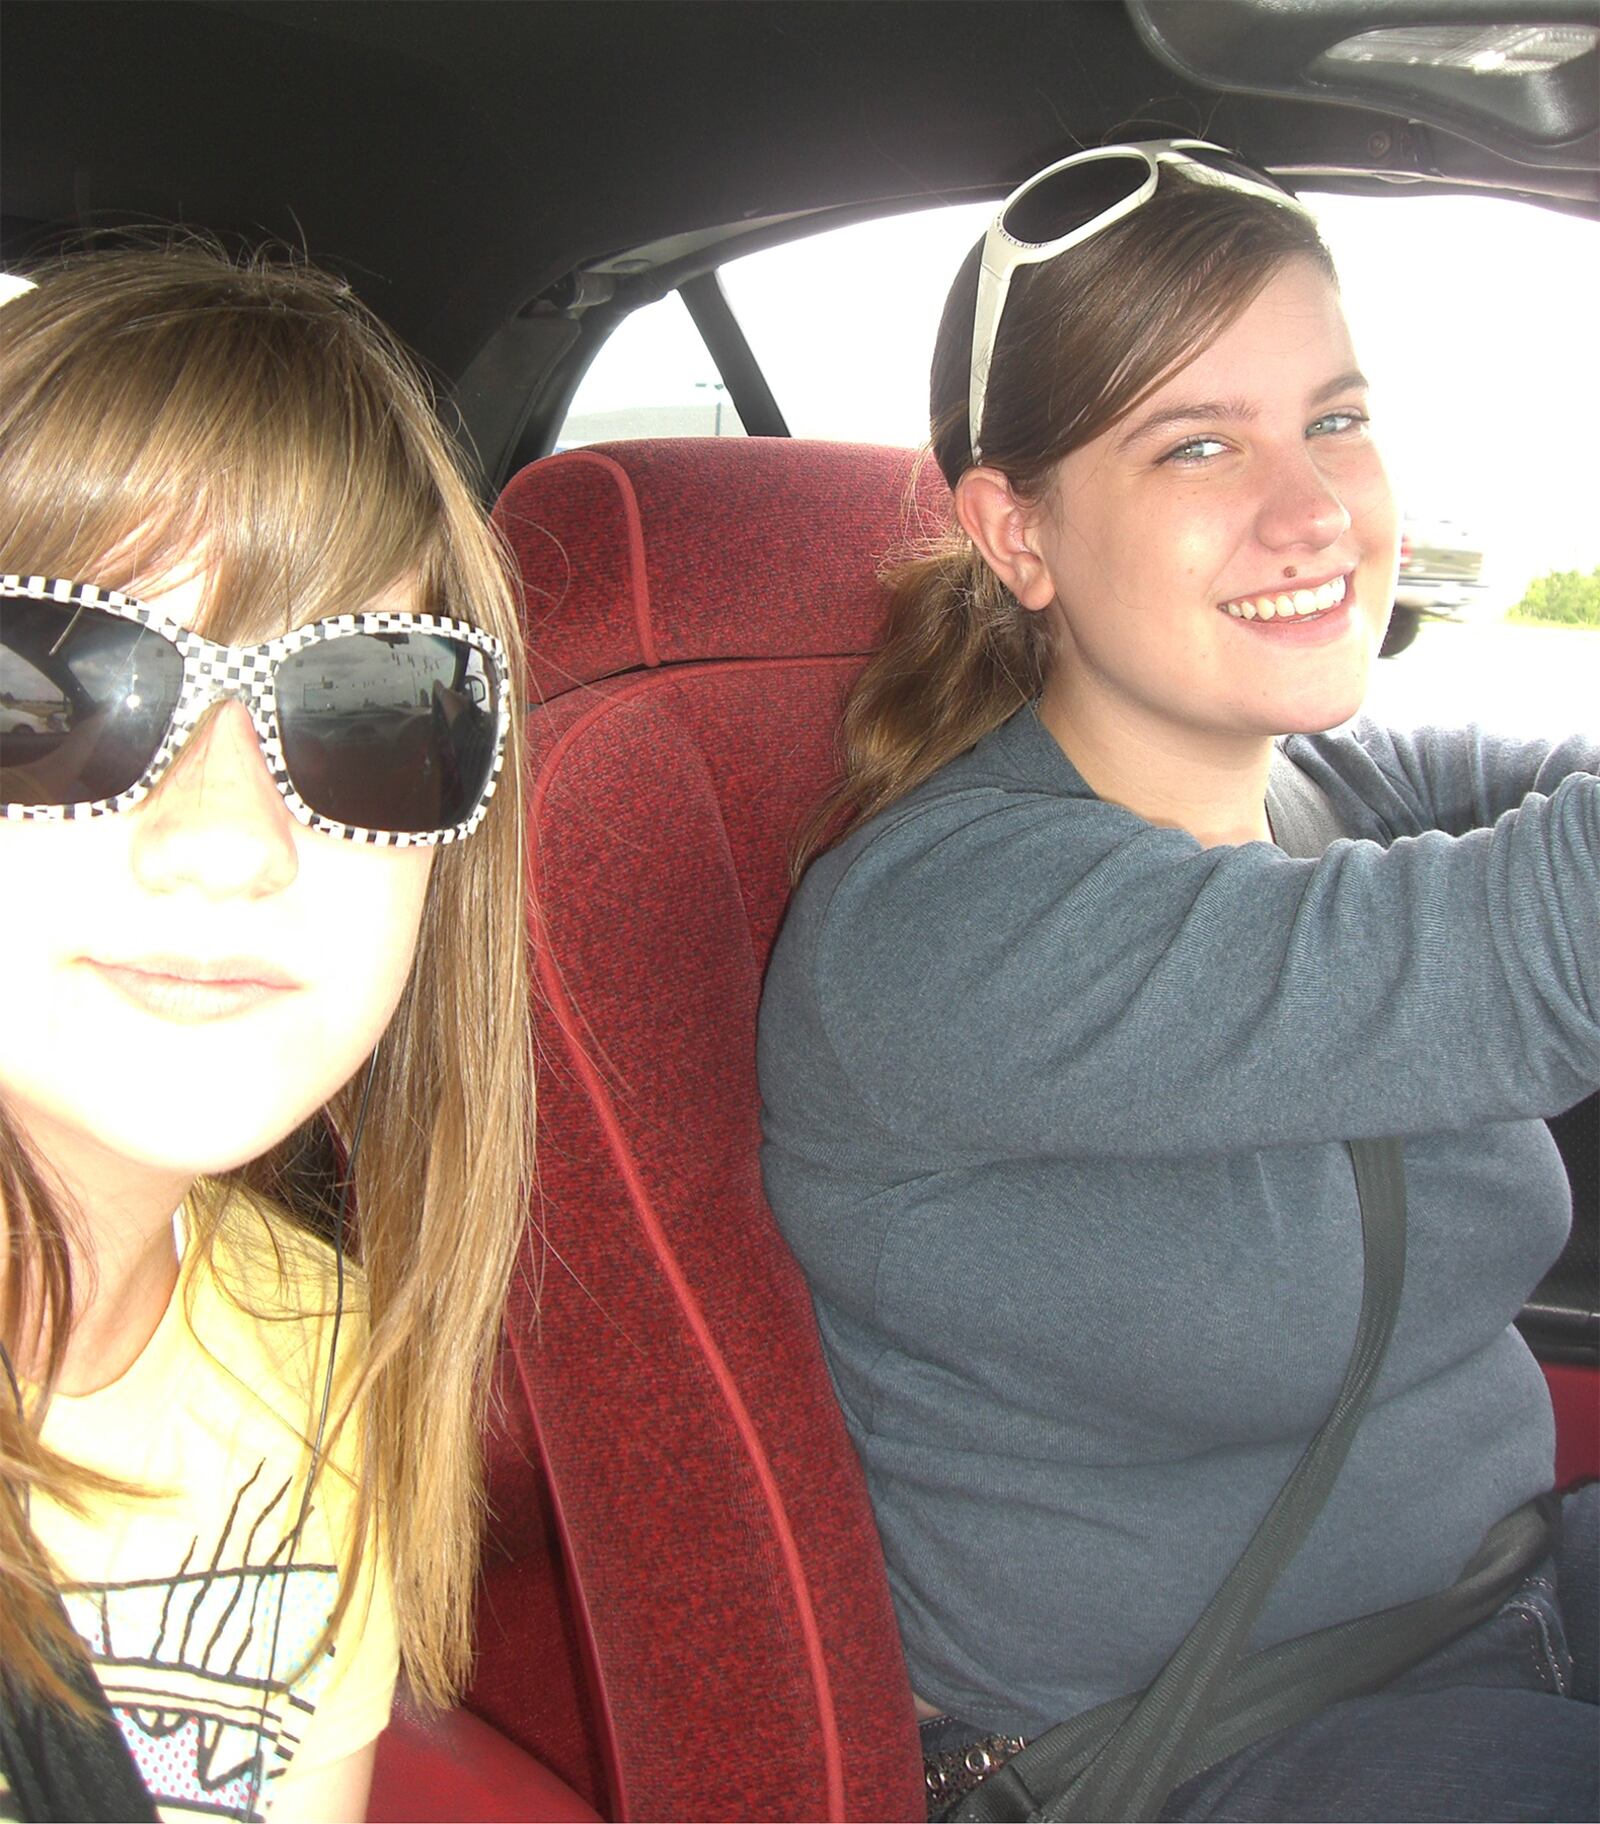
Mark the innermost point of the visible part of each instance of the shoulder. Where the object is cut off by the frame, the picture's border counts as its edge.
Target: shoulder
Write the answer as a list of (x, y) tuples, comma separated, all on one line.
[(1005, 842), (1014, 794)]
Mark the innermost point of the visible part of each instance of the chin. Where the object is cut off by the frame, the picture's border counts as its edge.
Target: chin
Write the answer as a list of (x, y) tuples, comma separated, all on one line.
[(1328, 705), (1319, 721), (204, 1148)]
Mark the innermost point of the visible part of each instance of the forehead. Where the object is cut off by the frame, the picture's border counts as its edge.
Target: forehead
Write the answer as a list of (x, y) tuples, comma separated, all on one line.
[(1292, 335)]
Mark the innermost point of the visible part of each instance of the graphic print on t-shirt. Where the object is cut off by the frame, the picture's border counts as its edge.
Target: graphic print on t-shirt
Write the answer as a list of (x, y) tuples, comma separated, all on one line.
[(206, 1670)]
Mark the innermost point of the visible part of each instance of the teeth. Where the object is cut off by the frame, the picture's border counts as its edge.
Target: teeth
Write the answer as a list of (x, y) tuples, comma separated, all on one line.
[(1288, 607)]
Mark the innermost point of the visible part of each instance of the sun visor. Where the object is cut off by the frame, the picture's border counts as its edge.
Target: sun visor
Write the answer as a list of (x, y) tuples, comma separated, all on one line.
[(1521, 81)]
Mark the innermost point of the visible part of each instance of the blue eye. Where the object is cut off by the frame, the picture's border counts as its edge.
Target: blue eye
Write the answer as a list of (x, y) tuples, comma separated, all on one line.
[(1331, 424), (1195, 450)]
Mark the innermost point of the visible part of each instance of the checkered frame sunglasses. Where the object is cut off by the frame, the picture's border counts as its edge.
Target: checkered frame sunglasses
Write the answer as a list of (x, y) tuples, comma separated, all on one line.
[(382, 728)]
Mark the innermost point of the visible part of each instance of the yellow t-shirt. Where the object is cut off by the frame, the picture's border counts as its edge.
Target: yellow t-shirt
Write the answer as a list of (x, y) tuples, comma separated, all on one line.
[(200, 1609)]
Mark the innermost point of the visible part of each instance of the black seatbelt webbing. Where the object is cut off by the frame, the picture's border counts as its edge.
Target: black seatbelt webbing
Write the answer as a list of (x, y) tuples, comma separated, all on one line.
[(1120, 1766)]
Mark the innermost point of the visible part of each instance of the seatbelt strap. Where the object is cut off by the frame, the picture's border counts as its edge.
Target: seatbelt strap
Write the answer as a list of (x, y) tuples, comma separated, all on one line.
[(1121, 1760)]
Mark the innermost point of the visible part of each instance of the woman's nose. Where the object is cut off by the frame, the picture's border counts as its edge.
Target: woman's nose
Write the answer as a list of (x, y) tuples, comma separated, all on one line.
[(1301, 505), (217, 822)]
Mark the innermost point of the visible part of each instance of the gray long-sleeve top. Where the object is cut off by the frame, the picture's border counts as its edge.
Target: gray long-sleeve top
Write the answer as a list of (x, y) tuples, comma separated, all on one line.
[(1055, 1102)]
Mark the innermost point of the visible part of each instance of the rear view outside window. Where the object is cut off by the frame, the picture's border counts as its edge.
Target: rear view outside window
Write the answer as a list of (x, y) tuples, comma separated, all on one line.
[(653, 378), (843, 324), (1472, 319)]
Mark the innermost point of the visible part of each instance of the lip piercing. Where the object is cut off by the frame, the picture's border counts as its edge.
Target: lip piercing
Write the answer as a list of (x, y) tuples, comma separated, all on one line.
[(1289, 570)]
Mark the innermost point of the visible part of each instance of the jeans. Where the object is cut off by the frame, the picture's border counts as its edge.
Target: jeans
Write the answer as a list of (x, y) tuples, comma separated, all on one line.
[(1500, 1724)]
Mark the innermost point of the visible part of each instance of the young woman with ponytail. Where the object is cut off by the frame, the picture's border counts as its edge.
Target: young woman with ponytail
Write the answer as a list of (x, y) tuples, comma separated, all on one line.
[(1067, 1047), (264, 1090)]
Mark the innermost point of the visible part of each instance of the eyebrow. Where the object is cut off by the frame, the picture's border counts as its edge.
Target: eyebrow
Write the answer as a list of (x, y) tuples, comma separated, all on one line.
[(1232, 411)]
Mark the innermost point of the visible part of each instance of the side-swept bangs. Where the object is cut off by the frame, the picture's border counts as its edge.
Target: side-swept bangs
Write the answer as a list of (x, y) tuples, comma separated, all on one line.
[(159, 410)]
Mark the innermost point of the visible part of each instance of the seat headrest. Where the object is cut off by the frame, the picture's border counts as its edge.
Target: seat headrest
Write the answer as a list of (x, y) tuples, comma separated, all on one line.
[(656, 552)]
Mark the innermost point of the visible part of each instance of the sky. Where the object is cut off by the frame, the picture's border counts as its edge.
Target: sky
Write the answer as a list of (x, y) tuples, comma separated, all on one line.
[(1473, 317)]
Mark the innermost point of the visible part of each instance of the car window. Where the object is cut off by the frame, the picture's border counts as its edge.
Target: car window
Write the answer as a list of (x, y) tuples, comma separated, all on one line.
[(653, 377), (1471, 318), (843, 323)]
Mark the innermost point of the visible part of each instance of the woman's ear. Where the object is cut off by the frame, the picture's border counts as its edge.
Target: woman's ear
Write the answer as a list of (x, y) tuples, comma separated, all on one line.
[(1001, 526)]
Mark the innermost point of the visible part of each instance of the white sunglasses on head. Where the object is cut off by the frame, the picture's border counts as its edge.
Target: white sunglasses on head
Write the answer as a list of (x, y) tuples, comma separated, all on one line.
[(1068, 203)]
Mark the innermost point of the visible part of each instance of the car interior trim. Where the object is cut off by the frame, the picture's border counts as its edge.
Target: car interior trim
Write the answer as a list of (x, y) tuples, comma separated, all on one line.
[(713, 316)]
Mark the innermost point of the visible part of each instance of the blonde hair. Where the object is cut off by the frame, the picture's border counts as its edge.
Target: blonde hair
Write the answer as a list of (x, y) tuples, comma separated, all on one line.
[(1084, 339), (168, 402)]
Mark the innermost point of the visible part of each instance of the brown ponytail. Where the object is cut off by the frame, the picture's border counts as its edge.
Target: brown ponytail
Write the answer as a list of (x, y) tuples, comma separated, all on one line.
[(958, 657)]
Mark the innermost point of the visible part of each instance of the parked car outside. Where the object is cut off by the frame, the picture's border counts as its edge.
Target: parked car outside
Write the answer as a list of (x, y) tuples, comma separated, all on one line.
[(1441, 577)]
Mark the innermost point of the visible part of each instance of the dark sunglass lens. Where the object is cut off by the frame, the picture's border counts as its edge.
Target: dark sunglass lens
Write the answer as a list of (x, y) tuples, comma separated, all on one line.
[(389, 731), (85, 701), (1066, 200)]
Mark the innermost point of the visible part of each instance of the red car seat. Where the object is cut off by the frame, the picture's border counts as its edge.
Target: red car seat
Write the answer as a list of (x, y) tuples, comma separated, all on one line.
[(694, 610), (683, 1612)]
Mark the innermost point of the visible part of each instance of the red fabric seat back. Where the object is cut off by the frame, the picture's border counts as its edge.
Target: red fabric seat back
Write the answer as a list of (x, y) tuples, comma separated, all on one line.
[(695, 610)]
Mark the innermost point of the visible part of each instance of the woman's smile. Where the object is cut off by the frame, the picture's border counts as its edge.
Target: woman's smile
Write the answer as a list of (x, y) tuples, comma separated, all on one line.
[(1299, 604), (1307, 617)]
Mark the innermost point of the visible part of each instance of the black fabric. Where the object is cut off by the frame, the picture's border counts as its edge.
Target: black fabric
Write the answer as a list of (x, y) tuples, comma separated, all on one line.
[(1121, 1760), (63, 1767)]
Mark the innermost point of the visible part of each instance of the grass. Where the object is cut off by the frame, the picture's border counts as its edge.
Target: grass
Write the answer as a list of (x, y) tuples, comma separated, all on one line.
[(1564, 598)]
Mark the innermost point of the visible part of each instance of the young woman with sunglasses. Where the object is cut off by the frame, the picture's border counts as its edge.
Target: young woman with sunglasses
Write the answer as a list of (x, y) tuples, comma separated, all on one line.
[(1061, 1051), (262, 965)]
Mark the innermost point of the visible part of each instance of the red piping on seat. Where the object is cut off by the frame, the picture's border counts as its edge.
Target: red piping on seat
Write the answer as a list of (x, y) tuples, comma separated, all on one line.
[(615, 1780), (1575, 1395), (832, 1751), (643, 622)]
